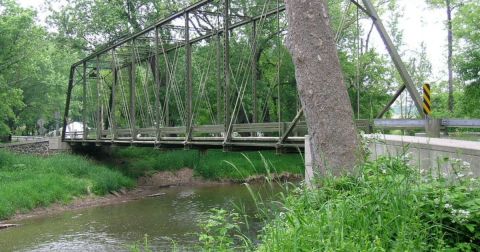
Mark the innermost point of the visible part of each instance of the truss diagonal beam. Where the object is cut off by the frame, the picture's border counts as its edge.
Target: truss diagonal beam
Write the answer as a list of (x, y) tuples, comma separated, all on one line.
[(407, 79)]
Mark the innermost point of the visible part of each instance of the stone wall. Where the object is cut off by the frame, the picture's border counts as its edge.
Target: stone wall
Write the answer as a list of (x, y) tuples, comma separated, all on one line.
[(42, 147), (39, 148)]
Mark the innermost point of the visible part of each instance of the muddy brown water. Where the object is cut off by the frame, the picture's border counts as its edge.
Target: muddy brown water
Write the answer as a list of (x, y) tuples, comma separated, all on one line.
[(170, 220)]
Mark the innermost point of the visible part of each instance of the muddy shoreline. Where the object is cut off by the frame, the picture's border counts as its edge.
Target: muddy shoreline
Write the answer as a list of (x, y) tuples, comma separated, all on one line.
[(149, 186)]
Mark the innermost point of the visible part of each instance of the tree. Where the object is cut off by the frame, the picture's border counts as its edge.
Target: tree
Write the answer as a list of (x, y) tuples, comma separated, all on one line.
[(321, 87), (86, 24), (449, 6), (33, 71), (467, 25)]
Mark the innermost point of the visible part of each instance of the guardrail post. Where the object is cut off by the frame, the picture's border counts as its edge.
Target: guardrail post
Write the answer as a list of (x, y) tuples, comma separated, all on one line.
[(432, 127)]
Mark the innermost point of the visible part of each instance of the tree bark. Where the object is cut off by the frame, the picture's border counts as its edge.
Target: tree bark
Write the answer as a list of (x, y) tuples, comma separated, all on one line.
[(321, 87), (450, 56)]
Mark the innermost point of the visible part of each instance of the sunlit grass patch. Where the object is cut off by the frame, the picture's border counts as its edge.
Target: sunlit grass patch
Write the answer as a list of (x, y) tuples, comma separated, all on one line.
[(27, 182)]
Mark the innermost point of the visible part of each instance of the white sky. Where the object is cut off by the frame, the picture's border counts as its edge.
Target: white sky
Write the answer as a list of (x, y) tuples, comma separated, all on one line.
[(419, 24)]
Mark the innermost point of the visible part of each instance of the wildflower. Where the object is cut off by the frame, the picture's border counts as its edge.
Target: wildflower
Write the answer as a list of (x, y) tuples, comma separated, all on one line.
[(470, 173), (448, 206), (460, 215), (461, 175), (436, 201), (463, 213), (466, 164)]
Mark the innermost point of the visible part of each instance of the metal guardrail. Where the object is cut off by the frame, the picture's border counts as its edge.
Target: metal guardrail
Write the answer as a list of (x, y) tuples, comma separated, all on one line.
[(420, 123), (399, 123), (461, 123)]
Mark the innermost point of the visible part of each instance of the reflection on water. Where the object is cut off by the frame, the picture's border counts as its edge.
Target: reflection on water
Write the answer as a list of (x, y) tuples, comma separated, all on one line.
[(173, 216)]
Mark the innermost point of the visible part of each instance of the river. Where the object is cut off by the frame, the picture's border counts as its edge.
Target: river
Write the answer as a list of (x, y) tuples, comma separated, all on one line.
[(171, 217)]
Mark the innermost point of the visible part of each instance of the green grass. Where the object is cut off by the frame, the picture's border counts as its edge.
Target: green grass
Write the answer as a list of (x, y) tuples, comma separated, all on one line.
[(27, 182), (213, 164), (388, 207)]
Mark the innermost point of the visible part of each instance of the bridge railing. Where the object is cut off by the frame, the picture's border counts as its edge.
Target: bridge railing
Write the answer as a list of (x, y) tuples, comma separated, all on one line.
[(420, 123)]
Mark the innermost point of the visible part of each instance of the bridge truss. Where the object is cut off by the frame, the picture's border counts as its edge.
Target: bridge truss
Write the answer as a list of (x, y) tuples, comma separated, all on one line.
[(176, 83)]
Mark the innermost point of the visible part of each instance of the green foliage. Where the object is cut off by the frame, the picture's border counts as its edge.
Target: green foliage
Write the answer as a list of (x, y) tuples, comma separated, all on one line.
[(33, 71), (469, 103), (213, 164), (466, 24), (453, 205), (388, 207), (220, 231), (27, 182)]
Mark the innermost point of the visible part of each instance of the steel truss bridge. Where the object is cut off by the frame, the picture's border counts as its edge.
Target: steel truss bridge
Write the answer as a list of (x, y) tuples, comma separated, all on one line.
[(193, 80)]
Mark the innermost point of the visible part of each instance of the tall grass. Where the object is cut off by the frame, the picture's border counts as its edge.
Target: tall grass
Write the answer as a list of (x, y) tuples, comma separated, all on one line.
[(27, 182), (213, 164), (388, 207)]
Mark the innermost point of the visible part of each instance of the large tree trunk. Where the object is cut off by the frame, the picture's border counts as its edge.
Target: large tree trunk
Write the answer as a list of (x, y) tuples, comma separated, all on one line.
[(321, 87), (450, 55)]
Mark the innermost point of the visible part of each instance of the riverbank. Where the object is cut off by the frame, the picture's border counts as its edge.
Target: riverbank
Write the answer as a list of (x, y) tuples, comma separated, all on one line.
[(389, 206), (146, 187), (34, 185), (213, 165), (28, 182)]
